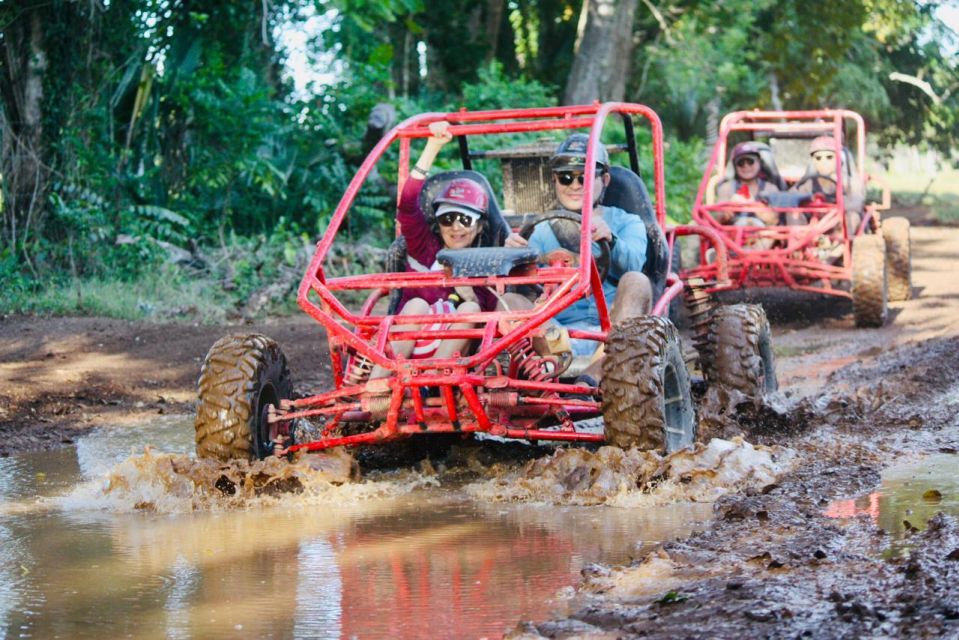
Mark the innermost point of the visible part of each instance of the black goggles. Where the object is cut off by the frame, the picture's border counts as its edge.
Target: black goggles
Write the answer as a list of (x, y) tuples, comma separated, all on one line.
[(451, 217), (567, 178)]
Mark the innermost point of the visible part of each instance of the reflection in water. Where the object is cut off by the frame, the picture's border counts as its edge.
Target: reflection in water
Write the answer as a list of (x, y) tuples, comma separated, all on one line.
[(389, 564), (908, 493), (184, 580), (319, 592)]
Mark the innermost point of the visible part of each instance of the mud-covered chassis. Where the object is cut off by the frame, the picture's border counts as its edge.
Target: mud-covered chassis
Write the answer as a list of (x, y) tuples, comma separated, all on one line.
[(505, 387)]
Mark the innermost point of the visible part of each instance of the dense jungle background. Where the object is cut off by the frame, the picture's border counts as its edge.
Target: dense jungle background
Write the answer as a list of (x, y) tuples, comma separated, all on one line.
[(179, 158)]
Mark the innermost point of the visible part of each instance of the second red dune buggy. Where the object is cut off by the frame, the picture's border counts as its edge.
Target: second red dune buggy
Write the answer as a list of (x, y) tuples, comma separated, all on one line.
[(519, 378), (829, 239)]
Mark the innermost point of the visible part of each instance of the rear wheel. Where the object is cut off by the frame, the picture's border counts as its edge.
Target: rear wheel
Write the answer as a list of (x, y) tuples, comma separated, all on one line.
[(647, 401), (240, 378), (895, 231), (740, 343), (869, 292)]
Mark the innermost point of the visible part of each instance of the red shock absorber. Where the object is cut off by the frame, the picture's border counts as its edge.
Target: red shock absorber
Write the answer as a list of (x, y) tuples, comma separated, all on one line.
[(526, 363), (358, 370)]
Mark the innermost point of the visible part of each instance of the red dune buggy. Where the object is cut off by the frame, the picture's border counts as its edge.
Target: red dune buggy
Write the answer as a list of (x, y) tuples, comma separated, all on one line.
[(829, 239), (519, 378)]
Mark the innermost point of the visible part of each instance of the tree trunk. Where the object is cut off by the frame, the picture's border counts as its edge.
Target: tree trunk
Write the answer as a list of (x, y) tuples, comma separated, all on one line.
[(777, 104), (492, 21), (23, 61), (603, 52)]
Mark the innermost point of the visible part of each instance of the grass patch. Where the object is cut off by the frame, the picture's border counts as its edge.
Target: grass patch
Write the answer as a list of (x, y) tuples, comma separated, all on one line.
[(167, 294), (782, 351), (939, 193)]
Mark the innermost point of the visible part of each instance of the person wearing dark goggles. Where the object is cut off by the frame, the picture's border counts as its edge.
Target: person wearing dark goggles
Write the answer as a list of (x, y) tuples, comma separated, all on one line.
[(566, 178), (626, 287), (455, 219), (821, 182), (747, 184), (465, 219)]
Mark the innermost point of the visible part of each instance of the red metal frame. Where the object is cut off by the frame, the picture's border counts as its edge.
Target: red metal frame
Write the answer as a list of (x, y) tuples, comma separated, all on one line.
[(792, 260), (495, 402)]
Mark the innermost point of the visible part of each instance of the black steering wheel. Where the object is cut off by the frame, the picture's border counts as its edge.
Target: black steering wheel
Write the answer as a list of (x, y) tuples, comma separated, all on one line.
[(602, 262), (835, 184)]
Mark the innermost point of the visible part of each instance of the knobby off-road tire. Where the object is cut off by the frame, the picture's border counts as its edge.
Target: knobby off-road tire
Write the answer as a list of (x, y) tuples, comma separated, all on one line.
[(895, 231), (869, 284), (240, 378), (740, 344), (647, 401)]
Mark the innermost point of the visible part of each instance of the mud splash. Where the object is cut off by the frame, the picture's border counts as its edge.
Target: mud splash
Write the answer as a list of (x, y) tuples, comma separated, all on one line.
[(179, 483), (636, 478)]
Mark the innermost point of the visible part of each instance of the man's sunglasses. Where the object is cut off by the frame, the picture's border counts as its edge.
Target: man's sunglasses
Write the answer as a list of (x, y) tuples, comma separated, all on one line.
[(746, 162), (827, 155), (565, 178), (447, 219)]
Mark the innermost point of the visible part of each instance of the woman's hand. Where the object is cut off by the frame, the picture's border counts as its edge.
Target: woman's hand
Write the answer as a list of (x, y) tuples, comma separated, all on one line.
[(441, 133), (515, 241)]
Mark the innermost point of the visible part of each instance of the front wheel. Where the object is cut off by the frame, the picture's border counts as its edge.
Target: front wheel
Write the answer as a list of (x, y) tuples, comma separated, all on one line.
[(240, 378), (895, 231), (869, 284), (647, 400), (740, 343)]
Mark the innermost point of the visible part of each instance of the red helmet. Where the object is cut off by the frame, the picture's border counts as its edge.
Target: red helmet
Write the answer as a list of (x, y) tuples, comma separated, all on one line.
[(462, 194), (822, 143), (746, 148)]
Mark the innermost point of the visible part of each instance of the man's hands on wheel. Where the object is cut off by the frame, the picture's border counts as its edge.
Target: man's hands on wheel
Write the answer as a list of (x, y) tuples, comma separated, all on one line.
[(600, 232)]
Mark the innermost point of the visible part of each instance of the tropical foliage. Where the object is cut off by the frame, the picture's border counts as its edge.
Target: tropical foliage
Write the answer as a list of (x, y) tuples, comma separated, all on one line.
[(166, 136)]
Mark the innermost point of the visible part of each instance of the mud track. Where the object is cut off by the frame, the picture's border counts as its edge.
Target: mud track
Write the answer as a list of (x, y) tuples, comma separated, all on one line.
[(771, 565)]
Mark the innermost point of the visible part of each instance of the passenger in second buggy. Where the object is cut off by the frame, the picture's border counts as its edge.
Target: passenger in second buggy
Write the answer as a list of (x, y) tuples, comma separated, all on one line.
[(748, 186)]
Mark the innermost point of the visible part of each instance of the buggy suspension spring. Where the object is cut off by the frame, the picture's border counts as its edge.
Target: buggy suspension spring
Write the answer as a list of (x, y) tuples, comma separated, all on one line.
[(699, 307), (359, 370), (525, 360)]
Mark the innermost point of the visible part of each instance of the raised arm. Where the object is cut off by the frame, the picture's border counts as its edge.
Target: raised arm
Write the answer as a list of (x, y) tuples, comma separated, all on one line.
[(421, 242)]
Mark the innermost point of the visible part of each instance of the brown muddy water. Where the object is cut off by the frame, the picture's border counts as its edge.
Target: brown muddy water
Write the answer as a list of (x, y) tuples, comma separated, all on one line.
[(911, 492), (97, 542)]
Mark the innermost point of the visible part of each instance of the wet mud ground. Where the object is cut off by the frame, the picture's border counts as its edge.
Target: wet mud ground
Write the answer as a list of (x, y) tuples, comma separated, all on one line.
[(774, 563)]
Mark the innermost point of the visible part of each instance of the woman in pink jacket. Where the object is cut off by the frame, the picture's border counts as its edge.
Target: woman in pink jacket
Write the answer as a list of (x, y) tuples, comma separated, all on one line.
[(456, 219)]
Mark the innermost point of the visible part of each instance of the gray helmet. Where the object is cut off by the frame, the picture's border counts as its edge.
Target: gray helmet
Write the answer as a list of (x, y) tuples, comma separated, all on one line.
[(571, 154)]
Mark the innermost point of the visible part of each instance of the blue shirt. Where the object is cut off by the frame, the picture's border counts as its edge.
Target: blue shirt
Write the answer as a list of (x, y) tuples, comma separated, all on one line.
[(629, 254)]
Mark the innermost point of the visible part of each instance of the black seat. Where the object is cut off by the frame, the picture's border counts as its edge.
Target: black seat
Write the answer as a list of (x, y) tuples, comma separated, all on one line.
[(485, 261), (627, 191)]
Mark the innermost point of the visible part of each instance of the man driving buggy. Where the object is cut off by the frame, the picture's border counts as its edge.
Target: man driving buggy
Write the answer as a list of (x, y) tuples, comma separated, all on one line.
[(625, 284)]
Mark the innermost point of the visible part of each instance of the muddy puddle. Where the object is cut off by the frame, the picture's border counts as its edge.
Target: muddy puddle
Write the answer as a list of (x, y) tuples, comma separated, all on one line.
[(910, 494), (113, 539)]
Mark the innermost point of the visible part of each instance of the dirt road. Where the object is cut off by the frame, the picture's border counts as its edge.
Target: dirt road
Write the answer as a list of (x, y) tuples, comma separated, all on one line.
[(809, 557)]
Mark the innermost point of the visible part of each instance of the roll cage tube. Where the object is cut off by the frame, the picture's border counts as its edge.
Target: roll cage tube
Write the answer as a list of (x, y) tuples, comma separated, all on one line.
[(463, 124)]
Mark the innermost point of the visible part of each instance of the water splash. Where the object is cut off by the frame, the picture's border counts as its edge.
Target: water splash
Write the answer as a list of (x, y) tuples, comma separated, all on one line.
[(178, 483), (634, 478)]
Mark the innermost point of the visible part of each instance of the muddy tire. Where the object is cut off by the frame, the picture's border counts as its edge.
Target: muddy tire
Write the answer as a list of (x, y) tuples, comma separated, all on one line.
[(869, 285), (240, 378), (740, 344), (647, 401), (895, 231)]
